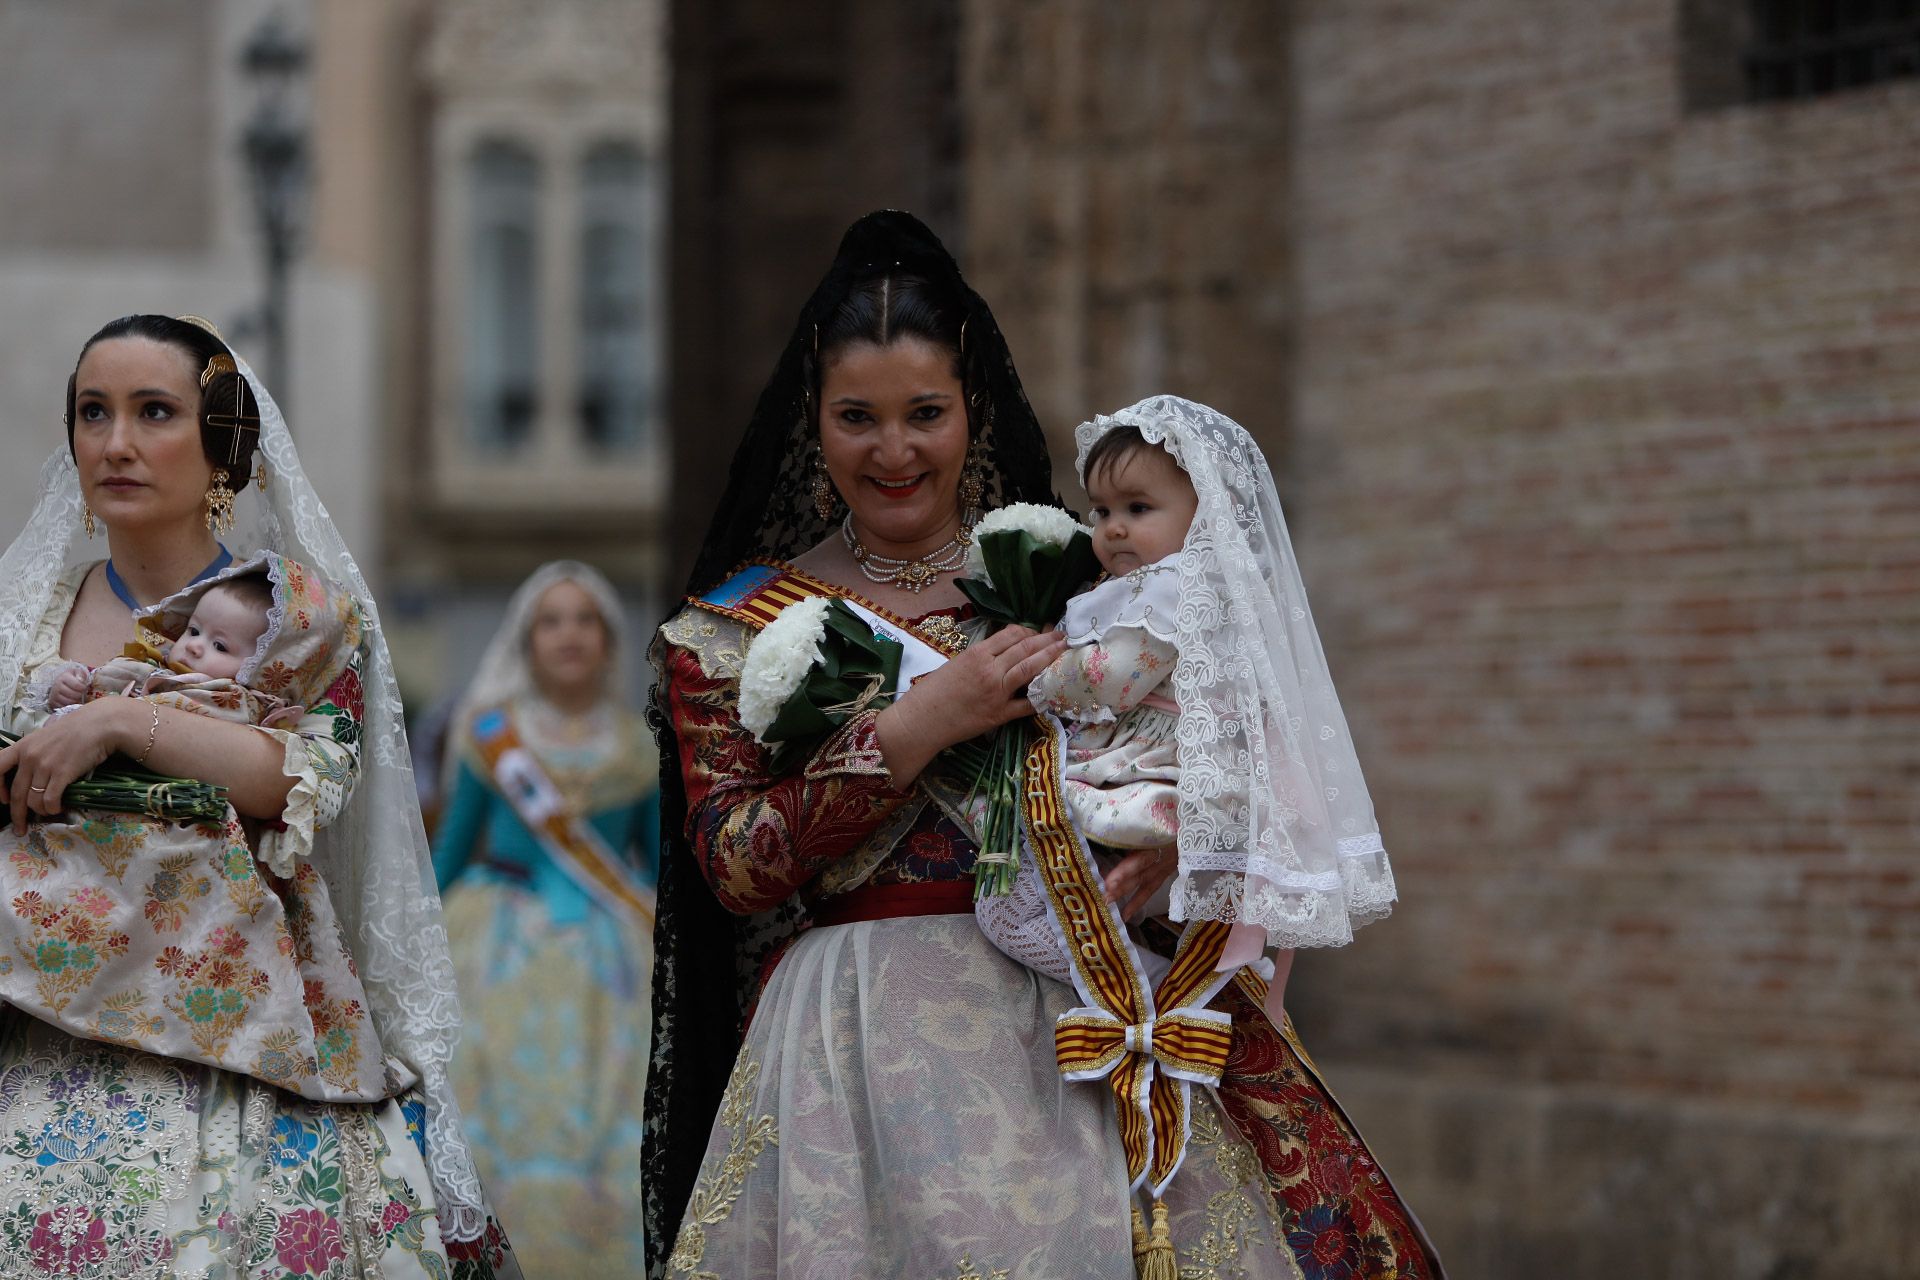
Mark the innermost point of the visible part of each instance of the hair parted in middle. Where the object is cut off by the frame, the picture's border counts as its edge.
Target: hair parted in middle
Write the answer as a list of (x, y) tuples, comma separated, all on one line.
[(229, 413), (891, 278)]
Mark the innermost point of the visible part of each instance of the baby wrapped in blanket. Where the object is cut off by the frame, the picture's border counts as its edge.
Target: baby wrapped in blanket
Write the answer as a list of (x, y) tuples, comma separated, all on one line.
[(212, 942), (199, 671)]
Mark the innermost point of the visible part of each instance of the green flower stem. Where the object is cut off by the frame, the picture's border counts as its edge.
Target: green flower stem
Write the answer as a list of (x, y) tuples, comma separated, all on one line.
[(999, 782), (124, 788)]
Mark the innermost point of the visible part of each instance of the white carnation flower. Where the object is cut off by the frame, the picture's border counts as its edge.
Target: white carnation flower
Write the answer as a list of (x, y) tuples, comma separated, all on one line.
[(778, 661), (1047, 525)]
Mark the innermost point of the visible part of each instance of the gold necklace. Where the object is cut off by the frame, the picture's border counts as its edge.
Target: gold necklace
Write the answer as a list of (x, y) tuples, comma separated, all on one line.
[(914, 575)]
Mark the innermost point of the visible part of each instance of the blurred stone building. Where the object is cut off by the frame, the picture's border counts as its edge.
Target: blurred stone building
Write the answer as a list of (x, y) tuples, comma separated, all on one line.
[(122, 189), (477, 329)]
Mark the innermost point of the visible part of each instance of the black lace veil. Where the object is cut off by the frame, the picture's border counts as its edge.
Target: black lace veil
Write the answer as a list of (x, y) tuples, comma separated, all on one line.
[(705, 958)]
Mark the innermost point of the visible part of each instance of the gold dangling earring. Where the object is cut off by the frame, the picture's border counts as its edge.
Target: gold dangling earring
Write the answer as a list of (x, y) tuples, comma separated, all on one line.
[(220, 504), (86, 521), (973, 480), (822, 488)]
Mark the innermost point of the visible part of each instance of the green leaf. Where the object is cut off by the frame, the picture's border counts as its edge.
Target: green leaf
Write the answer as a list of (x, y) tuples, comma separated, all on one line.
[(853, 659), (986, 601), (1031, 580)]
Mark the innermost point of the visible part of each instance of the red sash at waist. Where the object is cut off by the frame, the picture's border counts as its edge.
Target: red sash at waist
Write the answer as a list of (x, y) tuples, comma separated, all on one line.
[(890, 901)]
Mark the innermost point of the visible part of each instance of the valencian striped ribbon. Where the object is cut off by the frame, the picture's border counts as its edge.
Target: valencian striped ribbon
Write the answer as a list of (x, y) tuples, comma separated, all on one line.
[(566, 836), (1151, 1046), (760, 591)]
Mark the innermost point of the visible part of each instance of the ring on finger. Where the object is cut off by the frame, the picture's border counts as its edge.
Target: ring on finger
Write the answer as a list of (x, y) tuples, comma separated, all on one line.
[(36, 790)]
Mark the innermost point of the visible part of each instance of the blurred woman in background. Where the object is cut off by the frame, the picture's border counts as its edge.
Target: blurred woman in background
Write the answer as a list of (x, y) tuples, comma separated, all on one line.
[(547, 853)]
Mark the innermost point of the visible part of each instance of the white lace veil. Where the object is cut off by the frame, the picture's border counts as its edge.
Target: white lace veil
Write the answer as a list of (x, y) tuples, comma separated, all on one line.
[(505, 673), (374, 856), (1276, 826)]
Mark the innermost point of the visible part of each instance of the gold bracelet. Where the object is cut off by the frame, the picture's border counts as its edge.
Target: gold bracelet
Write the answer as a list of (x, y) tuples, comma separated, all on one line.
[(153, 731)]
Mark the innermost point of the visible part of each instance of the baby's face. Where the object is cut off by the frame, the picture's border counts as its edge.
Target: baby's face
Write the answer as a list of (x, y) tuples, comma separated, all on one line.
[(1141, 506), (220, 636)]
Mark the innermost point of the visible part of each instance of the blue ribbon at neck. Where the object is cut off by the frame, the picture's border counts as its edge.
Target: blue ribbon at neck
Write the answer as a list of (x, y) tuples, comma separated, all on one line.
[(119, 585)]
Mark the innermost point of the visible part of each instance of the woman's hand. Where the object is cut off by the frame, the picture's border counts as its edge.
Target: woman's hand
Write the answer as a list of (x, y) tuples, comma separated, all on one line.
[(1139, 876), (43, 763), (982, 688)]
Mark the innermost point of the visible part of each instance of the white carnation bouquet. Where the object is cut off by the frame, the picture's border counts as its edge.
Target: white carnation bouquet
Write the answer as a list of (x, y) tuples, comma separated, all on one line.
[(1026, 561), (811, 670)]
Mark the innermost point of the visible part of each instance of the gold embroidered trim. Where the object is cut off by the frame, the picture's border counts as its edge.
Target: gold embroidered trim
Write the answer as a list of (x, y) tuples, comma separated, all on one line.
[(718, 644), (946, 634), (714, 1195), (853, 750), (1240, 1221), (793, 582), (968, 1271)]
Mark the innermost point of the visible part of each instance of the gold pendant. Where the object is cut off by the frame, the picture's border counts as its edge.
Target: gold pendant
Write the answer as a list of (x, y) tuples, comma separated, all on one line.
[(220, 504), (945, 633)]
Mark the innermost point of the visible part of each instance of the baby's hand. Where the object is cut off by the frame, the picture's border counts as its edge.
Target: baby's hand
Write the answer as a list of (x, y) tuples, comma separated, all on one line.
[(69, 687)]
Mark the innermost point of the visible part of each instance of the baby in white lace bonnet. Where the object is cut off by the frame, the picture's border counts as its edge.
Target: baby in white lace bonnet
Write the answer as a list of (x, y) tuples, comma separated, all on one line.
[(1249, 782), (221, 635), (1111, 688)]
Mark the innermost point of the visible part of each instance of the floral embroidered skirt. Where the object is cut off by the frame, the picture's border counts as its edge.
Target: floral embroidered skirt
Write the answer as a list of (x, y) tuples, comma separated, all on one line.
[(551, 1073), (116, 1162), (896, 1112)]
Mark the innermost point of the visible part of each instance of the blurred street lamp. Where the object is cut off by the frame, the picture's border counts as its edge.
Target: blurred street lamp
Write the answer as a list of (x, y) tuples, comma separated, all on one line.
[(274, 142)]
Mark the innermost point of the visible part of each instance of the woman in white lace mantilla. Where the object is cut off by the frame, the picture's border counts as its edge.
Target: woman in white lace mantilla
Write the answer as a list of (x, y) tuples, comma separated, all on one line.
[(118, 1146)]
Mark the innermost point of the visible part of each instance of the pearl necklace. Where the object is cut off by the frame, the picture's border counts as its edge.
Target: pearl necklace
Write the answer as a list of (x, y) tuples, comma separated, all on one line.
[(911, 575)]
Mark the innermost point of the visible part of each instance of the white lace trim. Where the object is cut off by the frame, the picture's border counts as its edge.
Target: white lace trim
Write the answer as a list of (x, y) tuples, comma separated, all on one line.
[(1148, 598), (1294, 912), (280, 850), (22, 664), (40, 684), (1276, 824)]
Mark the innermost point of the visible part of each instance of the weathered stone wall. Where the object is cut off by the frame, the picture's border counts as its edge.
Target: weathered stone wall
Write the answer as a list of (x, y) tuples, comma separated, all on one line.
[(789, 121), (1601, 426), (1126, 202)]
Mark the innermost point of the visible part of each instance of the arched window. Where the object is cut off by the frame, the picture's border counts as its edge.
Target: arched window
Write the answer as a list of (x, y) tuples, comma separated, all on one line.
[(619, 358), (503, 332)]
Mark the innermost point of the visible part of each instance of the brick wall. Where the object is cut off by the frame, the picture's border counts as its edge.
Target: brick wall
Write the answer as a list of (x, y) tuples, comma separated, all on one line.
[(1610, 423), (1601, 428)]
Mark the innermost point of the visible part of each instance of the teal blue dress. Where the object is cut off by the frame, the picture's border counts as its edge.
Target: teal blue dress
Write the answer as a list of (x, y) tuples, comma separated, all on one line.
[(555, 992), (477, 818)]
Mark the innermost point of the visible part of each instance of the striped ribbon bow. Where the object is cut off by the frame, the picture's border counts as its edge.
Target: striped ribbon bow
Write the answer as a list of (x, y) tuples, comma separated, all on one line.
[(1153, 1065), (1151, 1045)]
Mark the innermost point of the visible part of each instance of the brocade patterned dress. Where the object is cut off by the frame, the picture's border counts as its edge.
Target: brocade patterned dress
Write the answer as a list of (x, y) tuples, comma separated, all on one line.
[(896, 1110), (147, 1128)]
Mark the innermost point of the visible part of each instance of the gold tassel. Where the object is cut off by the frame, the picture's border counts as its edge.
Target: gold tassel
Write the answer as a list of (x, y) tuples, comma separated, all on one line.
[(1153, 1254)]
